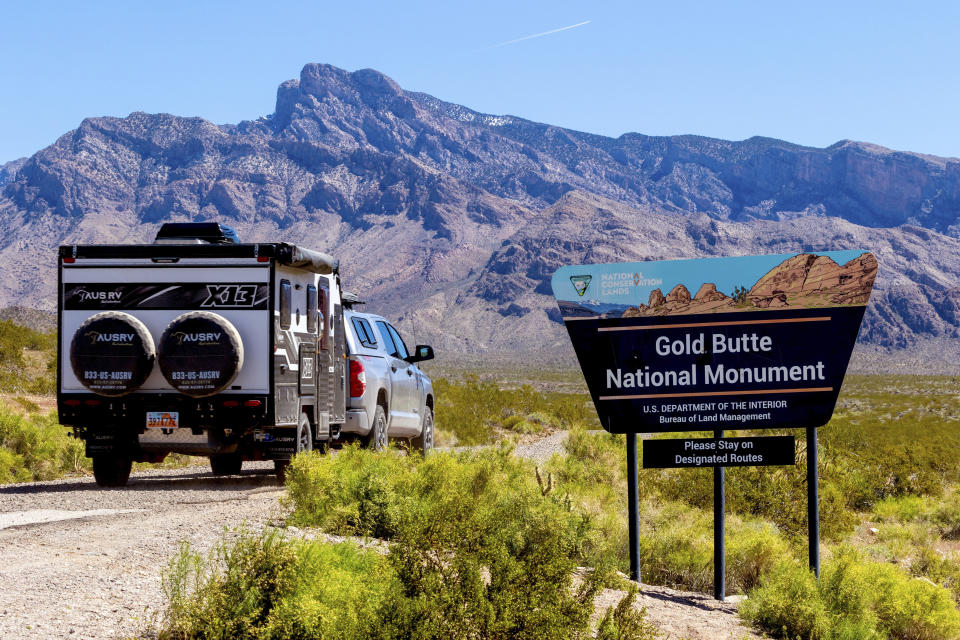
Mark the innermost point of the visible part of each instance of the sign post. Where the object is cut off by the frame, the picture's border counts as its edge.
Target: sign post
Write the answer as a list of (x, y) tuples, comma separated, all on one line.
[(813, 502), (763, 343), (719, 526), (633, 506)]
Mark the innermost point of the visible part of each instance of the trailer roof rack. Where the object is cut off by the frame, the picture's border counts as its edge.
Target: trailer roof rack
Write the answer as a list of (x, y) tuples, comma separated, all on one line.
[(196, 233)]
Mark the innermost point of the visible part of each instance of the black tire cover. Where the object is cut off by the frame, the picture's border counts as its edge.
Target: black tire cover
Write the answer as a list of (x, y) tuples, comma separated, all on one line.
[(112, 353), (200, 353)]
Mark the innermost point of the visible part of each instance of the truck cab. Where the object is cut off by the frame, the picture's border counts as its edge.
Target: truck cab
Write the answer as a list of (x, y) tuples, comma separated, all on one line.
[(390, 397)]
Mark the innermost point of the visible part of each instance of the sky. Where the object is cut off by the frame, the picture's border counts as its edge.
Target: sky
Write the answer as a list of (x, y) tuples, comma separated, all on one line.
[(812, 72)]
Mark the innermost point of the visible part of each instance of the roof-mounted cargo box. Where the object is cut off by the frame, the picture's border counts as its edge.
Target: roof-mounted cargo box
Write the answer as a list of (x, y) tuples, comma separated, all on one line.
[(196, 233)]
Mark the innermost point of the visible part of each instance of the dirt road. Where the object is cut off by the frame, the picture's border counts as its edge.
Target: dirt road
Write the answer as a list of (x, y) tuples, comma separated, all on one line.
[(77, 561)]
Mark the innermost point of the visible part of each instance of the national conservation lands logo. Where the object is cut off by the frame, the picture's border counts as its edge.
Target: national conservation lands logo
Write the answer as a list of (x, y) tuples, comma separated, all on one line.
[(580, 283)]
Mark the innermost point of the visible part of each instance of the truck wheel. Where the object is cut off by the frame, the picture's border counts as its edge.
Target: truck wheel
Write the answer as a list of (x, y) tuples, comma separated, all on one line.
[(377, 438), (226, 464), (112, 353), (200, 353), (112, 471), (304, 443), (424, 442)]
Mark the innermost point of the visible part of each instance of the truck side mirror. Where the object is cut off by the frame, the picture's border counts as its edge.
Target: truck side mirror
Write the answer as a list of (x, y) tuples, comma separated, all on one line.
[(420, 353)]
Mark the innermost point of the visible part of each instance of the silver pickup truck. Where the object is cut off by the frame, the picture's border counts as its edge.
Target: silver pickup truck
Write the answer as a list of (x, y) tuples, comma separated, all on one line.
[(389, 396)]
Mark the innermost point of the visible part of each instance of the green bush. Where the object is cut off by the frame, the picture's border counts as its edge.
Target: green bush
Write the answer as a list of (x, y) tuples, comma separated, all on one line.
[(267, 586), (855, 598), (478, 548), (472, 411), (17, 373), (36, 447)]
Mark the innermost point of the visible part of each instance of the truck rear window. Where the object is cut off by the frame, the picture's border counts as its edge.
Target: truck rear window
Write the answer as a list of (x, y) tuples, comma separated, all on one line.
[(364, 333), (388, 343)]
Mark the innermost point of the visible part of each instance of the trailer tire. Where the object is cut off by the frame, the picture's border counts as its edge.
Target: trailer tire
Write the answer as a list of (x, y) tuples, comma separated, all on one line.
[(112, 470), (201, 353), (112, 353), (304, 443), (226, 464)]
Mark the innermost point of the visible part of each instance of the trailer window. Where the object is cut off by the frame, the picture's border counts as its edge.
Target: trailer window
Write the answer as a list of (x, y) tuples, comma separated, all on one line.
[(365, 333), (387, 340), (285, 294), (311, 308), (324, 324)]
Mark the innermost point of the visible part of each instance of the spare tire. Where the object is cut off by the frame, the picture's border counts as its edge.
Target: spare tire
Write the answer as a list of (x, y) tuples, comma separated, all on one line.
[(112, 353), (200, 353)]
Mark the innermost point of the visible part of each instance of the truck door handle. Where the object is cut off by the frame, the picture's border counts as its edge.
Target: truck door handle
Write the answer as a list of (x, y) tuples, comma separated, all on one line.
[(409, 372)]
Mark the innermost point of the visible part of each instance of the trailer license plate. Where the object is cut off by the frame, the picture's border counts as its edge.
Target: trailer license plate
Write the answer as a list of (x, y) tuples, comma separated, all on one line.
[(163, 419)]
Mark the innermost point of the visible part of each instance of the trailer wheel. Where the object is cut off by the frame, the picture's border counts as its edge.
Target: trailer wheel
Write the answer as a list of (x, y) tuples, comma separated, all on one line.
[(112, 353), (112, 470), (200, 353), (226, 464), (304, 443)]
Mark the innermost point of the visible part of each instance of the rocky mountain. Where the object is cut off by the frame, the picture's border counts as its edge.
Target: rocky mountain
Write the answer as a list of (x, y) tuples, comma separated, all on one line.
[(455, 220)]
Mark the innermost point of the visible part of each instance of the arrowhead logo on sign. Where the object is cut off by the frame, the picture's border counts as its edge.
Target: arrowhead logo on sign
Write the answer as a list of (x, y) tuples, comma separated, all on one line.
[(580, 284), (738, 343)]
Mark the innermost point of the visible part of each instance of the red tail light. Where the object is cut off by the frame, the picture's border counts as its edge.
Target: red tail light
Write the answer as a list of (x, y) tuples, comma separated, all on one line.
[(358, 379), (72, 403), (252, 403), (231, 403), (92, 403)]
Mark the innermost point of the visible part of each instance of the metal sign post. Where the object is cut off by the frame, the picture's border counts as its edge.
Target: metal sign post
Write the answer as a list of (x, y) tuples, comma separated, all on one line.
[(719, 525), (813, 501), (633, 506)]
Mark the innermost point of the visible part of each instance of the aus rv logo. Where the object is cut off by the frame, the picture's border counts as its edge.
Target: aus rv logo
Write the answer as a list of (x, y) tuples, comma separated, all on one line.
[(99, 296), (211, 337), (230, 295), (113, 338)]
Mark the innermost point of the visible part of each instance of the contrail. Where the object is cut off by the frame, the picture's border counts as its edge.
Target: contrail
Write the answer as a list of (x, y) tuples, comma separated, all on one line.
[(538, 35)]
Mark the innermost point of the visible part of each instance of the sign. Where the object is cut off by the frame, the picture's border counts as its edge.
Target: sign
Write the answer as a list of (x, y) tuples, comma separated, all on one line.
[(719, 452), (748, 342)]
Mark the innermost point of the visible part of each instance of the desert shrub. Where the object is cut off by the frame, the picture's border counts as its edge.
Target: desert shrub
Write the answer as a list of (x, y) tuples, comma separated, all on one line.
[(472, 410), (267, 586), (625, 621), (19, 374), (479, 547), (855, 598), (36, 447)]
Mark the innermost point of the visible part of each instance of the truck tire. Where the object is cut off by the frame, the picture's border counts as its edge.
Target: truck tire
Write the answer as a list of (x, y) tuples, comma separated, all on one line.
[(112, 470), (304, 443), (201, 353), (424, 442), (112, 353), (377, 438), (226, 464)]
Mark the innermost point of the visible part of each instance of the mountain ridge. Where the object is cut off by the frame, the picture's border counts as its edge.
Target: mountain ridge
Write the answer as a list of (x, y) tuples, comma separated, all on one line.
[(473, 212)]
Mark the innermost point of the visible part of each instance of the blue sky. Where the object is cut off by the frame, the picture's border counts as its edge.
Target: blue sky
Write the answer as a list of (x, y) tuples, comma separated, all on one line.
[(811, 73)]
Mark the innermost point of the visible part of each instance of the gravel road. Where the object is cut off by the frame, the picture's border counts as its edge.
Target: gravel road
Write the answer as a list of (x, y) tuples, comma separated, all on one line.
[(78, 561)]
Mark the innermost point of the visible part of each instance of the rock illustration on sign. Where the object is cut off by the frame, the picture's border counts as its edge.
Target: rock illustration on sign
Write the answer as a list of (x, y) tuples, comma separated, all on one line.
[(805, 280)]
